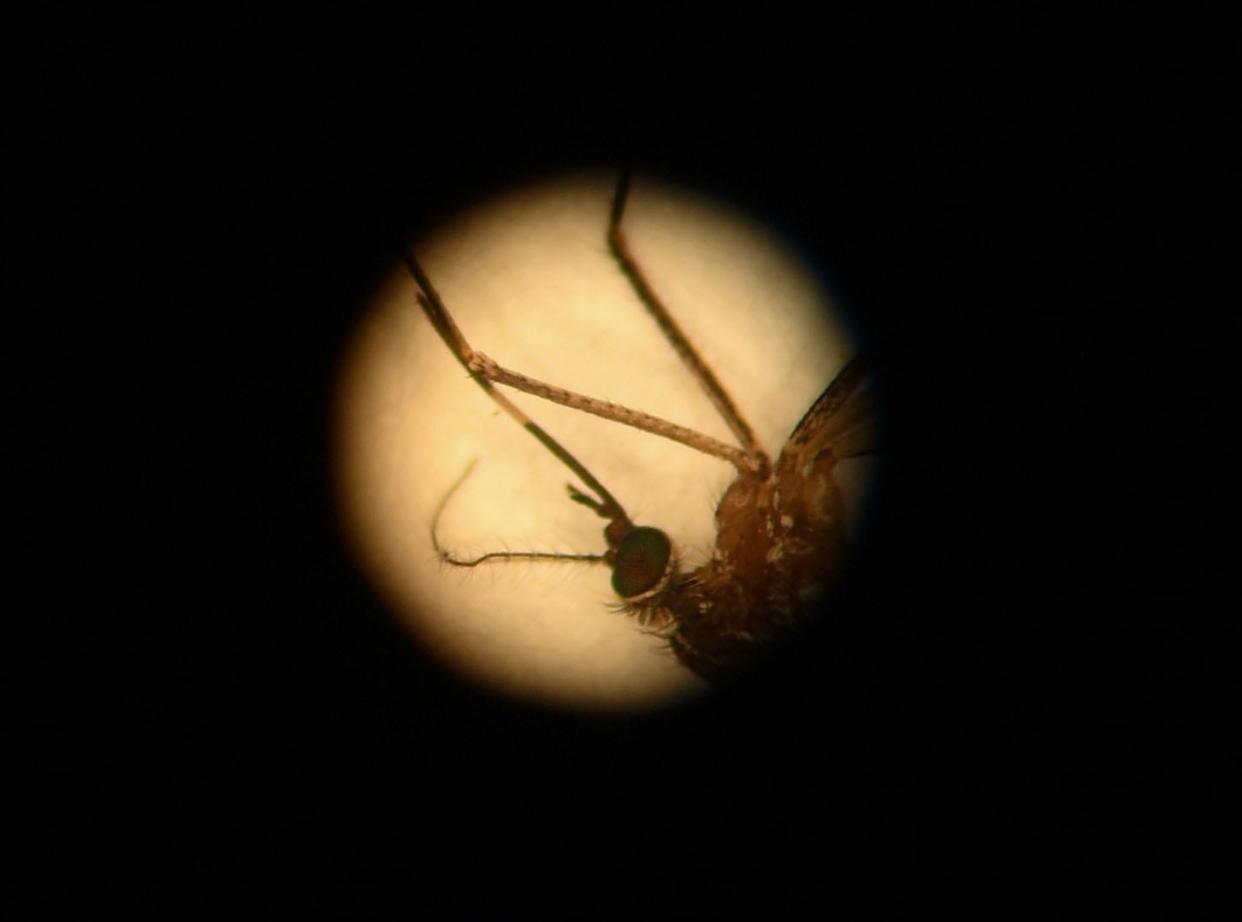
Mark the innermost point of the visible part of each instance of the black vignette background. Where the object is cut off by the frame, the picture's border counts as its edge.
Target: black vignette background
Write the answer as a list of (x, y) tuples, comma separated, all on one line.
[(1023, 689)]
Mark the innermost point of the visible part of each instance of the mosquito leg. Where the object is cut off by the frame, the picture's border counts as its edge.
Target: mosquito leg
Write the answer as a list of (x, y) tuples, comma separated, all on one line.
[(672, 332), (451, 558), (485, 372), (444, 325), (488, 368)]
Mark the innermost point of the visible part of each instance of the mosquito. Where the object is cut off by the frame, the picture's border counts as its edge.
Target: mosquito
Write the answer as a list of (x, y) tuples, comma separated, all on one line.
[(780, 528)]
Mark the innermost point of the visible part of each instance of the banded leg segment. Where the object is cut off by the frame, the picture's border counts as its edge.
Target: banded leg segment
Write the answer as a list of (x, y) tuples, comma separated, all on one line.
[(442, 321), (637, 419), (486, 372), (619, 247)]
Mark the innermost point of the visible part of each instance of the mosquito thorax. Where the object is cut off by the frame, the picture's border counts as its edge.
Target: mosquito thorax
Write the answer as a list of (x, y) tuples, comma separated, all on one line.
[(641, 561)]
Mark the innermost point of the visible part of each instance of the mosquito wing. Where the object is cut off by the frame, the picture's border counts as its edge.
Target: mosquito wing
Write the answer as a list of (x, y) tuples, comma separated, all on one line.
[(842, 420)]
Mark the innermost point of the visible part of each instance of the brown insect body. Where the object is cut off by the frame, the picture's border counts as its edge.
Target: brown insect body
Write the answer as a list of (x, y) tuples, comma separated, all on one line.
[(779, 542)]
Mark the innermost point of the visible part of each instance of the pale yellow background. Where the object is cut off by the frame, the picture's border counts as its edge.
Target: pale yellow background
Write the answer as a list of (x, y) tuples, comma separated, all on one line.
[(530, 282)]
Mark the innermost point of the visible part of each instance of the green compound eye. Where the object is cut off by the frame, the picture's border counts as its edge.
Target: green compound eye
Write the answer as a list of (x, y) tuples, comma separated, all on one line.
[(641, 560)]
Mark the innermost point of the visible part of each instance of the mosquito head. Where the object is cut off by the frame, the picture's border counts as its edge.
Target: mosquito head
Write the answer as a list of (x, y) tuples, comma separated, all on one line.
[(641, 561)]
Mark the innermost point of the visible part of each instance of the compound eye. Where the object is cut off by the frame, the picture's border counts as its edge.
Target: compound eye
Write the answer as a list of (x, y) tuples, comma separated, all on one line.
[(642, 559)]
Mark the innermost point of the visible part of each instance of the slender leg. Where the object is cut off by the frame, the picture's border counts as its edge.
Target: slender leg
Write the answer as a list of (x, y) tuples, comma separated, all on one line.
[(486, 371), (672, 332), (485, 366), (608, 507)]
